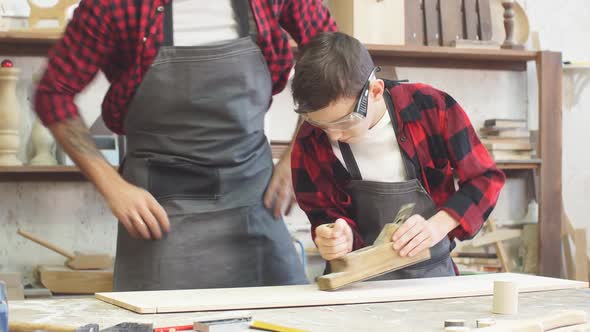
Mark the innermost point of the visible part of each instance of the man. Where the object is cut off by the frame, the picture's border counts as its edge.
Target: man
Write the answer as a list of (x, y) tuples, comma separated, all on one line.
[(190, 82), (370, 146)]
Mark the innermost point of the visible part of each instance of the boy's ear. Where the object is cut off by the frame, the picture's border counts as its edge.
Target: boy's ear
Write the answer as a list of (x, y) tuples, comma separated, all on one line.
[(376, 88)]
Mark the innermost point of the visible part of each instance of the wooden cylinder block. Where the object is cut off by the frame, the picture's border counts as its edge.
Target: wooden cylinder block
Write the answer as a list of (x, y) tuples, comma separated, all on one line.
[(505, 298)]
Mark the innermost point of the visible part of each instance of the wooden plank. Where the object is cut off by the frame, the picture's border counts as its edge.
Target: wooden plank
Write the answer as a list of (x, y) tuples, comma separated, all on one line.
[(471, 28), (550, 150), (366, 263), (414, 21), (553, 322), (502, 255), (11, 279), (530, 239), (60, 279), (310, 295), (496, 236), (581, 245), (485, 19), (567, 231), (14, 286), (451, 21), (432, 22)]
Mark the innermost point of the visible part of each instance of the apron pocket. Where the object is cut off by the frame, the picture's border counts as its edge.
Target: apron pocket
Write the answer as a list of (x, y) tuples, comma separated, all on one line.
[(182, 180)]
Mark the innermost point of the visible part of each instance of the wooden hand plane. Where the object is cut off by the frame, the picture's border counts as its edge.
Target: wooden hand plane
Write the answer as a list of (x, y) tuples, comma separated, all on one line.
[(372, 261)]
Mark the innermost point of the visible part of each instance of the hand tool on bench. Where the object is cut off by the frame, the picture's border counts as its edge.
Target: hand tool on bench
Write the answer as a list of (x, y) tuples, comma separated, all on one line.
[(372, 261), (76, 260), (130, 327), (233, 321), (30, 327)]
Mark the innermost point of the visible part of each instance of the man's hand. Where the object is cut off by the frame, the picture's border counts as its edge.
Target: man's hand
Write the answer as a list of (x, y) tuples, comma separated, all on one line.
[(334, 240), (279, 192), (135, 208), (138, 211), (418, 234)]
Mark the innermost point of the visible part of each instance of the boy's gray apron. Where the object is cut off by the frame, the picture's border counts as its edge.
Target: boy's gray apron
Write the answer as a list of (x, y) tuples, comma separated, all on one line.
[(195, 140), (376, 204)]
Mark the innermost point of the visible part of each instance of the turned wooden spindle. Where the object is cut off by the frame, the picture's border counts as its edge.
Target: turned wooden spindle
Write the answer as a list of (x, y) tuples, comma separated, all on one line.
[(43, 141), (510, 41), (9, 115)]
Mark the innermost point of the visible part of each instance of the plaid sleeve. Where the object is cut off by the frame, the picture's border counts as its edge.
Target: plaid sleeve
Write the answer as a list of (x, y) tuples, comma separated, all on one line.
[(480, 181), (73, 62), (303, 19), (316, 191)]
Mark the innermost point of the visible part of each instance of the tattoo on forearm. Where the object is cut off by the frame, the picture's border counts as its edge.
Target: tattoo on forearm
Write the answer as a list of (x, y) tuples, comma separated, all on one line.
[(77, 136)]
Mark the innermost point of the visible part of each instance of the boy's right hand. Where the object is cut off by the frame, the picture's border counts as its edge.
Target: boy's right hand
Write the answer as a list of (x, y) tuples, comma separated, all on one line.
[(334, 240)]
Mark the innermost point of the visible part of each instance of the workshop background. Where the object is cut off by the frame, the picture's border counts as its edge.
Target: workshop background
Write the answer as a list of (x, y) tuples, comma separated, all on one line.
[(73, 214)]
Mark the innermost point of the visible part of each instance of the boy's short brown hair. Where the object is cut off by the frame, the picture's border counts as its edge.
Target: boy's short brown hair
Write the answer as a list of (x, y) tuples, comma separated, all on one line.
[(332, 65)]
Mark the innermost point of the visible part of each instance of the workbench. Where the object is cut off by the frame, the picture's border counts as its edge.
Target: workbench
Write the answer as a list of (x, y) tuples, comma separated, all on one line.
[(395, 316)]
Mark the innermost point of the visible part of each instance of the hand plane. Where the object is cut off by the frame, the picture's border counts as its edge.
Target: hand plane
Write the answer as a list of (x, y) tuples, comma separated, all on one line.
[(372, 261)]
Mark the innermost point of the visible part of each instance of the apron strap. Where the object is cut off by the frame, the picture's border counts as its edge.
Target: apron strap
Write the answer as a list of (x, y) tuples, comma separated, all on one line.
[(168, 25), (351, 165), (350, 161), (242, 12)]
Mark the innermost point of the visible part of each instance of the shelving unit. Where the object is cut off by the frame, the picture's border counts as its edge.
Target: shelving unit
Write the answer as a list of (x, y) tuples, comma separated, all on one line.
[(26, 43), (549, 76), (73, 173)]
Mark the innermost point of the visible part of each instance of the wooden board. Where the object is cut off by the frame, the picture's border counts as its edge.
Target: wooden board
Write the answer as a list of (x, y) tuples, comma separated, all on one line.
[(14, 286), (471, 19), (451, 21), (432, 22), (371, 21), (310, 295), (414, 17), (485, 19), (495, 236), (367, 263), (581, 254), (60, 279), (550, 78)]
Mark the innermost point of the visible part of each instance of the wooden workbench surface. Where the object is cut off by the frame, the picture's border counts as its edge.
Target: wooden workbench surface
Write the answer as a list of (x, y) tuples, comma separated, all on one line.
[(398, 316)]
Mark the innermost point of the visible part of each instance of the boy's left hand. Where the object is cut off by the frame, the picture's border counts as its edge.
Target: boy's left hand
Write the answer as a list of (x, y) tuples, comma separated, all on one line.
[(418, 234)]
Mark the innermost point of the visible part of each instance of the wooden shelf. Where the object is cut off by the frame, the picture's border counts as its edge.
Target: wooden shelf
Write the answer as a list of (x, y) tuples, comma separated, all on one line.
[(518, 164), (38, 44), (576, 67), (40, 173), (27, 43), (71, 173), (450, 57)]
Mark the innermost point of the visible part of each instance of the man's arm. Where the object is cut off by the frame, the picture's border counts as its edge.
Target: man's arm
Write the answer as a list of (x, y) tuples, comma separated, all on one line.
[(279, 192), (302, 19), (73, 63)]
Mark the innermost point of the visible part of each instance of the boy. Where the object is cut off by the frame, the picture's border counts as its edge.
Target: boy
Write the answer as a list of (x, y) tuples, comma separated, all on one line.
[(368, 146)]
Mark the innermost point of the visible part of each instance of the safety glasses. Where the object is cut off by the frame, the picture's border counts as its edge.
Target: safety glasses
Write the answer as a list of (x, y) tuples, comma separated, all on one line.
[(358, 113)]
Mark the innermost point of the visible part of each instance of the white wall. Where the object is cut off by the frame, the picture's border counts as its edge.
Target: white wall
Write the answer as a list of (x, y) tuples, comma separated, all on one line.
[(74, 215)]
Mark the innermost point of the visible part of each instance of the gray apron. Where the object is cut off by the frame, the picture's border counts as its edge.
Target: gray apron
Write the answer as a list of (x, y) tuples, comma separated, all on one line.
[(375, 204), (196, 142)]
